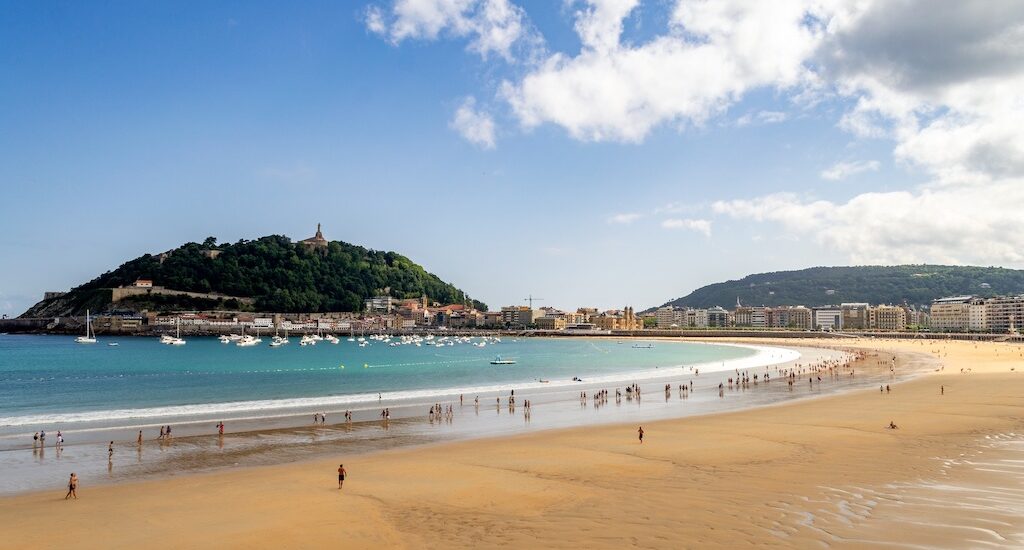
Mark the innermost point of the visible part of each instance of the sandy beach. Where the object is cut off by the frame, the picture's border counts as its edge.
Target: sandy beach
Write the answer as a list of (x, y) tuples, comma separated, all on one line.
[(815, 473)]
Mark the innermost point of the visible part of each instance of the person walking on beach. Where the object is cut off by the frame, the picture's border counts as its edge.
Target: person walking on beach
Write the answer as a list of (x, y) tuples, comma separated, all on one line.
[(341, 475), (110, 451), (161, 433), (640, 433), (139, 440), (35, 440), (942, 390), (72, 487)]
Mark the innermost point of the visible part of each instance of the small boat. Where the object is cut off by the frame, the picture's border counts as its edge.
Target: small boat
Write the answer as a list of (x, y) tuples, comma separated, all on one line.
[(224, 339), (499, 361), (542, 381), (332, 339), (90, 336), (112, 344), (177, 340), (247, 340), (278, 341), (363, 344), (307, 341), (645, 346)]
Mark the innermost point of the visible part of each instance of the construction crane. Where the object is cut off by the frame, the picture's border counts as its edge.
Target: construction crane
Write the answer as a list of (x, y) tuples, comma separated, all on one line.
[(531, 299)]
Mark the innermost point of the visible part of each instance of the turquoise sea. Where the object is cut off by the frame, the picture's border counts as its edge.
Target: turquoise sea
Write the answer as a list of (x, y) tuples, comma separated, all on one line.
[(52, 381)]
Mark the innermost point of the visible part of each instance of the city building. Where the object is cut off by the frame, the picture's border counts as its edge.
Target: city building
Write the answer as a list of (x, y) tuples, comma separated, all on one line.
[(667, 317), (828, 318), (551, 323), (751, 316), (977, 316), (697, 318), (379, 304), (856, 316), (887, 318), (952, 314), (718, 317), (1005, 313)]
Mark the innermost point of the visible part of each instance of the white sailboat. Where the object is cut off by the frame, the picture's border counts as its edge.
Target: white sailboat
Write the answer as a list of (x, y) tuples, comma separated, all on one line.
[(177, 340), (90, 336), (246, 340), (277, 341)]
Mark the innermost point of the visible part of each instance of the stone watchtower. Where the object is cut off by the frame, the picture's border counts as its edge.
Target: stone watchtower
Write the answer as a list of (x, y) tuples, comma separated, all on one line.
[(316, 243)]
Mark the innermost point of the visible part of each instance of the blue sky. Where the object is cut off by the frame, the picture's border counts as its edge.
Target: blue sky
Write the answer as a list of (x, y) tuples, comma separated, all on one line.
[(134, 127)]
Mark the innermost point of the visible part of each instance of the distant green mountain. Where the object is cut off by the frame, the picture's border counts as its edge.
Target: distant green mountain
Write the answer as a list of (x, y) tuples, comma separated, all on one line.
[(913, 284), (281, 276)]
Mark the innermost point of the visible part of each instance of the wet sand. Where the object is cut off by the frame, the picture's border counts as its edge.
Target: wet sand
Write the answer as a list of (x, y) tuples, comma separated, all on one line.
[(813, 473)]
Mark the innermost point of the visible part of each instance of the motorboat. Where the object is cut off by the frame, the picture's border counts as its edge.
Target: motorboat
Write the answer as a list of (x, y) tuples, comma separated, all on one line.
[(499, 361)]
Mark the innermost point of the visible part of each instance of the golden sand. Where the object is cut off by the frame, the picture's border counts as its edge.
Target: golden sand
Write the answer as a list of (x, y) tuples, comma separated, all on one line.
[(813, 473)]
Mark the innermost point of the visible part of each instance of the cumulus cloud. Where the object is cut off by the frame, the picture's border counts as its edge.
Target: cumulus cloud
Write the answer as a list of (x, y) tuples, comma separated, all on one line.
[(492, 26), (713, 53), (475, 126), (700, 226), (964, 225), (845, 169), (943, 85), (624, 218)]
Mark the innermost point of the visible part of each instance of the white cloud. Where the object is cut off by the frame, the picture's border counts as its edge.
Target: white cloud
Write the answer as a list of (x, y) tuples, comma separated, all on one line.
[(624, 218), (845, 169), (375, 20), (945, 86), (700, 226), (712, 55), (492, 26), (762, 117), (968, 224), (476, 127)]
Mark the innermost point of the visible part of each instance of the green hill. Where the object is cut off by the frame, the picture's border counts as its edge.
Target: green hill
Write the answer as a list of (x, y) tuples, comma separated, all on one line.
[(913, 284), (280, 276)]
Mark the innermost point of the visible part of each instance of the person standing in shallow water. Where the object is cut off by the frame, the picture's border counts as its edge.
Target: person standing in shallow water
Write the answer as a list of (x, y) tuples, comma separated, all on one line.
[(640, 434), (341, 475)]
